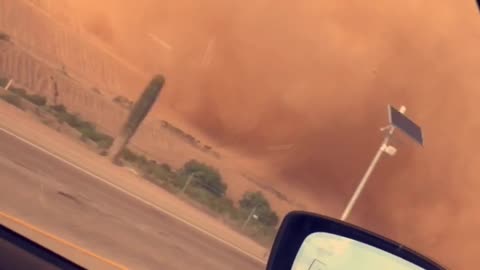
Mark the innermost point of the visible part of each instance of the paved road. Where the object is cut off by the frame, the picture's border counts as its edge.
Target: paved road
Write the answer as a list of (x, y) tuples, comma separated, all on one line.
[(62, 200)]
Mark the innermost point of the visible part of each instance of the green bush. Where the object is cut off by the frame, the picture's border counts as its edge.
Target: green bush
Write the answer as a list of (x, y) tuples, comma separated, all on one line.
[(200, 190), (59, 108), (105, 143), (206, 176), (129, 155), (3, 82), (13, 100), (123, 101), (166, 167), (4, 36), (86, 129), (158, 173), (37, 99), (147, 166), (225, 206), (18, 91), (162, 172), (266, 215), (71, 119)]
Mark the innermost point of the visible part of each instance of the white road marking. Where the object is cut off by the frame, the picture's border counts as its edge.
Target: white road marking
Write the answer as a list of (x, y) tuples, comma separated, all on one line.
[(172, 215)]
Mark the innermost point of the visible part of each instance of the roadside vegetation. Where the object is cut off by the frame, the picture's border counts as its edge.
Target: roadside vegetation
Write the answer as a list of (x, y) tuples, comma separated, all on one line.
[(205, 186), (87, 129), (18, 96), (4, 36), (197, 182), (123, 102), (3, 82)]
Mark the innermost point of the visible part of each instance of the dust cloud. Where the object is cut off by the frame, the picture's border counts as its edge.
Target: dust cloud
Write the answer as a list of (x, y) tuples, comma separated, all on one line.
[(313, 79)]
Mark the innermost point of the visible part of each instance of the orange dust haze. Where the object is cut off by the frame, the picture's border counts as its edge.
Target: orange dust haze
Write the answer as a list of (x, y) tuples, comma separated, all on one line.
[(317, 76)]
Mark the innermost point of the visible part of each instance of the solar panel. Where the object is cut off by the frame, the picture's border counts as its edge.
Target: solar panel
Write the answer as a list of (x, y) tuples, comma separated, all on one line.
[(403, 123)]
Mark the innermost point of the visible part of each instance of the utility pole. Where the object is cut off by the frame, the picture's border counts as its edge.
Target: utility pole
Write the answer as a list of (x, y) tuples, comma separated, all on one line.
[(187, 183), (397, 120), (250, 215), (10, 82)]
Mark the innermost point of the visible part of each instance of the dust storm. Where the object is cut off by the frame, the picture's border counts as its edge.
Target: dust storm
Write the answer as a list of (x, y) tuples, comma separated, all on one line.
[(317, 77)]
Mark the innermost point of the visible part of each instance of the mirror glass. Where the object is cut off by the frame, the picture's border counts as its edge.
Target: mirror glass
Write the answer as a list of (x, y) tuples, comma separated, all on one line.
[(326, 251)]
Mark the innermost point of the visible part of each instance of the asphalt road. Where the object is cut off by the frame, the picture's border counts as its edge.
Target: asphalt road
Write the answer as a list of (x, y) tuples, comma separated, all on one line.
[(71, 204)]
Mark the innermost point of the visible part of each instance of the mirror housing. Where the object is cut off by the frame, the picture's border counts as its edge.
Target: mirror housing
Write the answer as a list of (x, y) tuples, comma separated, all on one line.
[(301, 229)]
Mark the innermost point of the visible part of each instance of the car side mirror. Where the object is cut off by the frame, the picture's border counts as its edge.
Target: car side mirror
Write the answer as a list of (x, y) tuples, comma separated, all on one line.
[(307, 241)]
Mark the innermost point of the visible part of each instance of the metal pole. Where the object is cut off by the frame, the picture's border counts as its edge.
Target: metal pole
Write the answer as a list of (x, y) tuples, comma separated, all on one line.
[(189, 179), (10, 82), (249, 217), (369, 171)]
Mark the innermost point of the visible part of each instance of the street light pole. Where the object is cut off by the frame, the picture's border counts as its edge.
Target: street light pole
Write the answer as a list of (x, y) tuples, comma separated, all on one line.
[(187, 183), (10, 82), (384, 147), (250, 215)]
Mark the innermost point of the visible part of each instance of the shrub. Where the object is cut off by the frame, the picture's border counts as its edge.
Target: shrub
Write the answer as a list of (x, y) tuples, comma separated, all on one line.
[(71, 119), (148, 166), (4, 36), (166, 167), (3, 82), (206, 176), (18, 91), (162, 172), (129, 155), (86, 129), (37, 99), (59, 108), (142, 161), (105, 143), (13, 100), (251, 200), (225, 206), (123, 101)]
